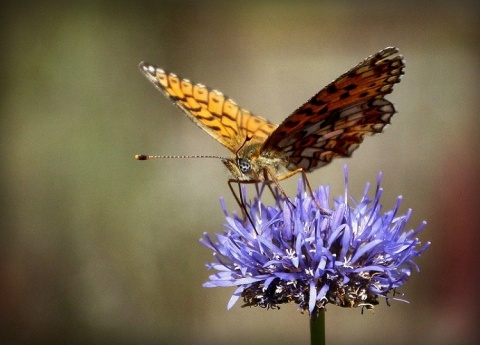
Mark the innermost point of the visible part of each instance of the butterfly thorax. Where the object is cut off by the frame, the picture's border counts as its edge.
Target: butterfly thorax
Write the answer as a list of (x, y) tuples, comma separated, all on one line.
[(251, 164)]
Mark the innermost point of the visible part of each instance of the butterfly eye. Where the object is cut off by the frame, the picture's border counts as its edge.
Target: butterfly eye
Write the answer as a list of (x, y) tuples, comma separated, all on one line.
[(244, 165)]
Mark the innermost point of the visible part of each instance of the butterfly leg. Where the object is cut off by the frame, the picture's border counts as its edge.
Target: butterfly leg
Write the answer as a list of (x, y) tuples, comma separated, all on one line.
[(305, 182), (270, 177), (275, 193), (240, 201)]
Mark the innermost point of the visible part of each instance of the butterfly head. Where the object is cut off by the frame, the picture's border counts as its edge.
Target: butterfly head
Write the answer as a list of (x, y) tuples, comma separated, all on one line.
[(239, 168), (242, 166)]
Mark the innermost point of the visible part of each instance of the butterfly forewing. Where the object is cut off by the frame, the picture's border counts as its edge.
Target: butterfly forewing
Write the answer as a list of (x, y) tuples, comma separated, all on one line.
[(333, 122), (214, 112)]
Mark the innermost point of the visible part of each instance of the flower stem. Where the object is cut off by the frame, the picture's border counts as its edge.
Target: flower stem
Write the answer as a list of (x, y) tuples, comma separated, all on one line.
[(317, 328)]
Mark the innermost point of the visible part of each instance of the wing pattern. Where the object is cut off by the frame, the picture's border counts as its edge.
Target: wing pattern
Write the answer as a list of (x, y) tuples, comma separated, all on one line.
[(210, 109), (331, 124), (334, 121)]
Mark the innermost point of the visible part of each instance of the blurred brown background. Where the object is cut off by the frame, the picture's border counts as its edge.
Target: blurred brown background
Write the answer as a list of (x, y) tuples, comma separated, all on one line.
[(98, 248)]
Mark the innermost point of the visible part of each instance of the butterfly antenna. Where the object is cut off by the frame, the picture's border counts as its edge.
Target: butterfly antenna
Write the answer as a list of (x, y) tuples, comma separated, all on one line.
[(146, 157)]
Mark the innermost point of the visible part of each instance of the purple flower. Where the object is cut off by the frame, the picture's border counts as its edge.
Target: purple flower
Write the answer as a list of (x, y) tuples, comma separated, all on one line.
[(348, 256)]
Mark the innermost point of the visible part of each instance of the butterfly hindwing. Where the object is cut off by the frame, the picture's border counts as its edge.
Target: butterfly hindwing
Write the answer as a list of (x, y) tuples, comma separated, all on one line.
[(333, 122)]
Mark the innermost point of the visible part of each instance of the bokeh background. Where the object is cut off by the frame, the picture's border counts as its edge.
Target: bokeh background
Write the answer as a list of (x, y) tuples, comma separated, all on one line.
[(97, 248)]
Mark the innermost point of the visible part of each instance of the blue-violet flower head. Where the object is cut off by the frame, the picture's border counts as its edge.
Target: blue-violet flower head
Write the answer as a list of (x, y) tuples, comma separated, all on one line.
[(348, 256)]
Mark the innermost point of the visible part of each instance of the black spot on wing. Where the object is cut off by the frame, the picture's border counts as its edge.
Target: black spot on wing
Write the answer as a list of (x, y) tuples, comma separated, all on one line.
[(350, 87), (344, 95), (331, 88)]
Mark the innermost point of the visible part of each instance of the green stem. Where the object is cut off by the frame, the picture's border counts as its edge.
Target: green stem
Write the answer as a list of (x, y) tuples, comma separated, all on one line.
[(317, 328)]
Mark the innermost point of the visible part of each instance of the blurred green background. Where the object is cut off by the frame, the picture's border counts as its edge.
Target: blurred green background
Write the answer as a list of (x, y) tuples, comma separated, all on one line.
[(98, 248)]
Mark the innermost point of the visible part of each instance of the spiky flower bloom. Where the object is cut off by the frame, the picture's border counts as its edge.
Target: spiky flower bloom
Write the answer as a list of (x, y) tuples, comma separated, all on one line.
[(349, 256)]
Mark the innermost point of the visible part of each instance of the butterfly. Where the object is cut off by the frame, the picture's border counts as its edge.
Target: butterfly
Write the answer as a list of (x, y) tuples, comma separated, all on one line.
[(331, 124)]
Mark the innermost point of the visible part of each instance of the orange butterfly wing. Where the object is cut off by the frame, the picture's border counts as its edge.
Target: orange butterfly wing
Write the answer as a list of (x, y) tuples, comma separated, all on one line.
[(215, 113), (334, 121)]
